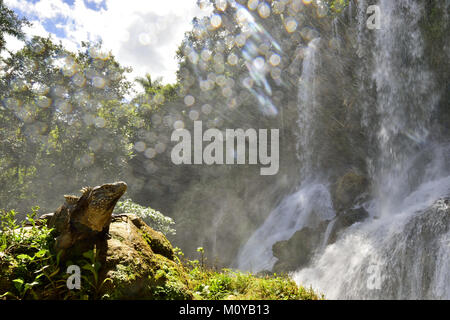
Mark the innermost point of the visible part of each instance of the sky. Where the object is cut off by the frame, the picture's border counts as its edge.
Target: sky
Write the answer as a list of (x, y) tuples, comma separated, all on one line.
[(142, 34)]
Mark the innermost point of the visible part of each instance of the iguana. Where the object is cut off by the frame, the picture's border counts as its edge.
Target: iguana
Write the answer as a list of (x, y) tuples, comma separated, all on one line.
[(86, 216)]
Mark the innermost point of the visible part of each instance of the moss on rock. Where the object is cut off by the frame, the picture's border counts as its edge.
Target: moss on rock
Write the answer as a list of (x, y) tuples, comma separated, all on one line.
[(155, 239), (141, 265)]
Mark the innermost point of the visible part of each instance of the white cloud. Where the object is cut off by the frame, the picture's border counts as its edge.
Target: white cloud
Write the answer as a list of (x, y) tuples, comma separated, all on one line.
[(143, 34)]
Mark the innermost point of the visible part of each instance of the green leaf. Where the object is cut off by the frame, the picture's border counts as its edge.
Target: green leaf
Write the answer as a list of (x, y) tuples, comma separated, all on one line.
[(58, 256), (89, 267), (41, 253), (39, 276), (8, 294), (54, 273), (31, 285), (24, 257), (42, 269), (89, 255), (18, 283)]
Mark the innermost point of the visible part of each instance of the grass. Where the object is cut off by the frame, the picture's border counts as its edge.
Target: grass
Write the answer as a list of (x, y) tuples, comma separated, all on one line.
[(234, 285), (227, 284)]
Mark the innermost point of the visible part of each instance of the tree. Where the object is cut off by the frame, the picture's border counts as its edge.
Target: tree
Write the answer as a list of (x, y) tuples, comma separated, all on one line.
[(64, 121), (149, 85), (155, 92), (10, 24)]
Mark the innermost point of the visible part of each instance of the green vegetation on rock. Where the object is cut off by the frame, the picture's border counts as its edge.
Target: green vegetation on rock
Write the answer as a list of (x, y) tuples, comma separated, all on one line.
[(232, 285), (154, 218), (137, 262)]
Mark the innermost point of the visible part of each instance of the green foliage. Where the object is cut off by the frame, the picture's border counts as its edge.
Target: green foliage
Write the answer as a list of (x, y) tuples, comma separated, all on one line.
[(227, 284), (10, 24), (91, 264), (29, 263), (202, 253), (208, 284), (337, 5), (62, 112), (234, 285), (171, 287), (155, 219), (26, 258), (156, 90)]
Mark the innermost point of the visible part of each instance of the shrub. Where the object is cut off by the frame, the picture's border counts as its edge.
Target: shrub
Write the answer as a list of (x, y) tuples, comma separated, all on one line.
[(155, 219)]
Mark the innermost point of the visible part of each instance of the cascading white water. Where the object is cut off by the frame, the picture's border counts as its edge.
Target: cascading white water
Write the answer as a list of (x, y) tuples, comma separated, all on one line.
[(307, 107), (404, 253), (295, 211), (326, 237), (403, 249), (405, 98), (311, 203)]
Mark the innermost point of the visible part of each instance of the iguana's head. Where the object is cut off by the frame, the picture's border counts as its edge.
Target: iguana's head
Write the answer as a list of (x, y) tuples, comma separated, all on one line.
[(96, 205), (104, 197)]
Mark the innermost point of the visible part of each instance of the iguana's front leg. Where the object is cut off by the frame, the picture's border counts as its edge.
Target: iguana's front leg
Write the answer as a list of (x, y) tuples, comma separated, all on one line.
[(64, 241), (105, 232)]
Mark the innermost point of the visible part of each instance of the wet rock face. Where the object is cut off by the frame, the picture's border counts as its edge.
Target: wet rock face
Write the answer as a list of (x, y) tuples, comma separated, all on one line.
[(347, 190), (299, 249), (344, 221)]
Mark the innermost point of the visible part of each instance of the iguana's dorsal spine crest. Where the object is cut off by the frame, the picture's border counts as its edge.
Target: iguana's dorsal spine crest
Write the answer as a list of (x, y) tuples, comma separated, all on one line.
[(71, 199), (86, 190)]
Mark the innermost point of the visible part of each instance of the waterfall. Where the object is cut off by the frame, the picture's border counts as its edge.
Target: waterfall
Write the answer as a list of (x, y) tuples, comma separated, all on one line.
[(326, 237), (307, 107), (311, 202), (405, 98), (405, 256), (404, 253)]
